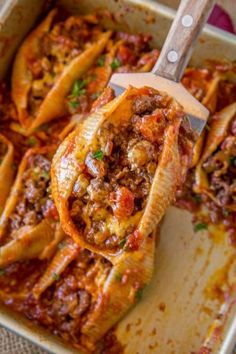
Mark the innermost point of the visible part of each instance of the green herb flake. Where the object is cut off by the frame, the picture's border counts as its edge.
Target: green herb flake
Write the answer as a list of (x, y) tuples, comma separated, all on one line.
[(78, 88), (36, 172), (95, 95), (44, 174), (200, 226), (32, 141), (207, 127), (226, 212), (232, 161), (98, 155), (45, 127), (115, 64), (122, 243), (139, 295), (118, 277), (74, 104), (90, 79), (197, 198), (61, 245), (55, 276), (2, 272), (101, 60)]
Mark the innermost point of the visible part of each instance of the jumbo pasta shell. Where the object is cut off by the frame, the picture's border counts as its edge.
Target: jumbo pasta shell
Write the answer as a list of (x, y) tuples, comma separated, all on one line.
[(29, 225), (218, 130), (204, 86), (21, 78), (121, 291), (52, 104), (63, 257), (6, 169), (29, 242), (73, 154)]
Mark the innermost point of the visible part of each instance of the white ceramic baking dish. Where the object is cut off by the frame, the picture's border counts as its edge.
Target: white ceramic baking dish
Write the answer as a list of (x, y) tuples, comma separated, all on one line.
[(176, 311)]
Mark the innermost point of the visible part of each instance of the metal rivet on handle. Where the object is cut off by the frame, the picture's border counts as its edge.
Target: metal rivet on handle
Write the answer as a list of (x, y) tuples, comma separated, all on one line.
[(172, 56), (187, 21)]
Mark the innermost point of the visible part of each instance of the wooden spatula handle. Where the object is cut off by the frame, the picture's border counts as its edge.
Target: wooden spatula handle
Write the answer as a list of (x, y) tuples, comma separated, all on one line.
[(189, 20)]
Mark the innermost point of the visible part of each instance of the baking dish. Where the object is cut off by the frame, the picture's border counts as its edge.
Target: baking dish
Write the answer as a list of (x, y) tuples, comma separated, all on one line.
[(175, 313)]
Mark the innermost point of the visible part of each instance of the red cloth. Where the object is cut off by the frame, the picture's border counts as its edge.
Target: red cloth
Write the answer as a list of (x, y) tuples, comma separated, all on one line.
[(221, 19)]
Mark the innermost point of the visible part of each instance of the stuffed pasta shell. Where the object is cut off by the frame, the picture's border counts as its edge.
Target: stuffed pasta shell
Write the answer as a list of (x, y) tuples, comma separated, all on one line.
[(114, 177), (29, 224), (51, 58), (215, 173)]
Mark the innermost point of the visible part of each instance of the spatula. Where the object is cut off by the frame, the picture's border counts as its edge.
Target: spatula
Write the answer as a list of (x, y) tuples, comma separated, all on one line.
[(167, 72)]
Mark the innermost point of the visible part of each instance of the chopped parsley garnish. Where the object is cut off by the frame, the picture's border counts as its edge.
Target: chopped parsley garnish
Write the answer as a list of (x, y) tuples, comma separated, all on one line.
[(200, 226), (197, 198), (44, 174), (45, 127), (74, 104), (115, 63), (207, 127), (78, 88), (122, 243), (226, 212), (2, 272), (90, 78), (36, 172), (101, 60), (56, 276), (139, 294), (61, 245), (95, 95), (98, 155), (118, 277), (32, 141), (232, 161)]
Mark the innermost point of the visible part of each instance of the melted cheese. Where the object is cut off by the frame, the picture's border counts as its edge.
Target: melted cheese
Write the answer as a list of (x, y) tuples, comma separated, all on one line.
[(120, 227)]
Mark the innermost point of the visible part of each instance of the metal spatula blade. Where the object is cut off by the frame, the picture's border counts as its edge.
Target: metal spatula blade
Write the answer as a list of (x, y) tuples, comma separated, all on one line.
[(166, 74), (195, 111)]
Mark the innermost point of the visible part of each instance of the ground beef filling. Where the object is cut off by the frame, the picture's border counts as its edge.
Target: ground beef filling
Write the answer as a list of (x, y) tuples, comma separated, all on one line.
[(34, 202), (221, 169), (64, 306), (117, 177), (134, 53)]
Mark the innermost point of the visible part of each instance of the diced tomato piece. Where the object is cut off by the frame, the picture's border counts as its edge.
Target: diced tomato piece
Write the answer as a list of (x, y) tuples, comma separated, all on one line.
[(106, 96), (152, 126), (126, 56), (134, 241), (149, 58), (51, 211), (122, 202)]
